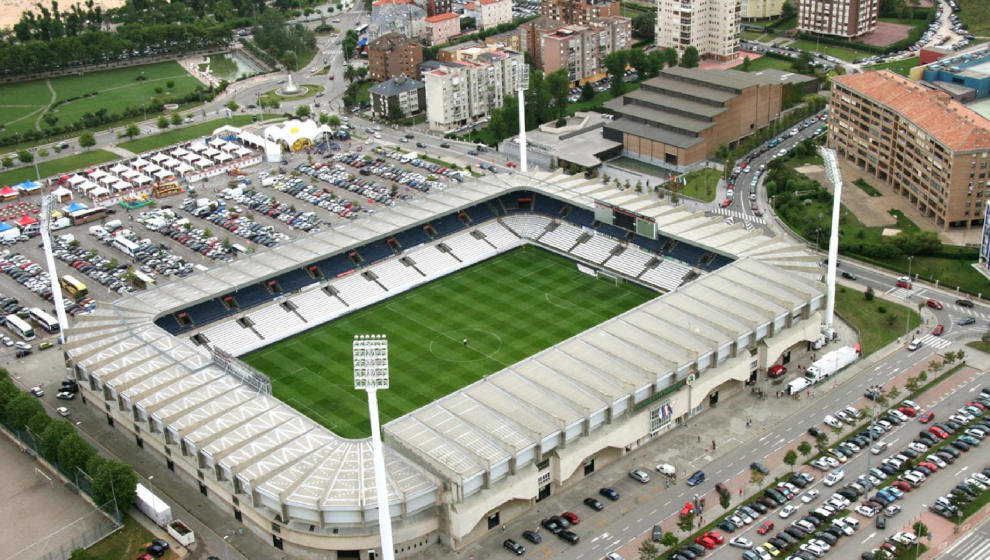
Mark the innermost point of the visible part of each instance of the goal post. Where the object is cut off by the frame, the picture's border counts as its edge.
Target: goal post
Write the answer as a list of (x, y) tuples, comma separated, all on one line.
[(602, 275)]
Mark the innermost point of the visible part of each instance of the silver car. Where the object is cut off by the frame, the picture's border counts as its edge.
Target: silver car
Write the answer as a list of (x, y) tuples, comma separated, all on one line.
[(639, 475)]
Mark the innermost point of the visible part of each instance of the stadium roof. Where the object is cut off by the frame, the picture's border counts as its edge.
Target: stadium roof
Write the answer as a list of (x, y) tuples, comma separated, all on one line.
[(543, 401)]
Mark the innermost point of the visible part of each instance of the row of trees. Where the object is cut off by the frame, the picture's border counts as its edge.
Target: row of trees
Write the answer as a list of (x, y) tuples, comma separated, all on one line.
[(287, 44), (111, 484), (52, 23)]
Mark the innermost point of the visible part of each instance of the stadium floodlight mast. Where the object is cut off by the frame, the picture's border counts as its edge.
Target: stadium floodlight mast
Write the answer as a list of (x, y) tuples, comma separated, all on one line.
[(46, 240), (835, 176), (522, 84), (371, 374)]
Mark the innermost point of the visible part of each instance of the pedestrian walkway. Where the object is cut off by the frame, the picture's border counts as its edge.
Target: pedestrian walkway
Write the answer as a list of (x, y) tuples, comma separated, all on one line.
[(936, 342), (739, 215)]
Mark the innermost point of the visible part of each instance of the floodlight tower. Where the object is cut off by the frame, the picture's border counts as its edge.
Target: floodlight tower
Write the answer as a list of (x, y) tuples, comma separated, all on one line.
[(522, 84), (371, 374), (835, 176), (46, 241)]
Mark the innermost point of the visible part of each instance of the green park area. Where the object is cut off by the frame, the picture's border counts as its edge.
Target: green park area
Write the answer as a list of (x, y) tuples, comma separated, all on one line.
[(879, 322), (57, 102), (130, 541), (902, 67), (845, 53), (273, 96), (701, 184), (56, 166), (177, 135), (763, 63), (975, 15)]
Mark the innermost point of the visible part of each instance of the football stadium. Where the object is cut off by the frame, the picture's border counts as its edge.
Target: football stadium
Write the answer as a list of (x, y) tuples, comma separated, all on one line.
[(541, 326)]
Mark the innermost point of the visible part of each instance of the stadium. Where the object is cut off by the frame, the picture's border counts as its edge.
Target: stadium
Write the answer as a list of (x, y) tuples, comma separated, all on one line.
[(558, 321)]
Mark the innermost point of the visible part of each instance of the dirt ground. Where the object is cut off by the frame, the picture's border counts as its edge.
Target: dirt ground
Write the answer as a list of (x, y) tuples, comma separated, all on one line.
[(12, 9), (33, 510), (885, 34)]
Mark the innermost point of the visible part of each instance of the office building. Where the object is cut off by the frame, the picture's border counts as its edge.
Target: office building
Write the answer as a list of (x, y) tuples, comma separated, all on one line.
[(394, 55), (581, 49), (711, 26), (838, 18), (679, 118), (465, 91), (403, 94), (578, 12), (917, 142)]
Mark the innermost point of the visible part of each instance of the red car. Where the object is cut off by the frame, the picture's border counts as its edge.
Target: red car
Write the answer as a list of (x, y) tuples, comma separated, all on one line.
[(938, 330), (977, 405), (939, 432), (719, 539), (687, 510), (926, 417), (776, 371), (903, 486), (934, 304), (907, 411), (765, 528), (929, 465), (726, 203), (903, 284), (705, 542), (571, 518)]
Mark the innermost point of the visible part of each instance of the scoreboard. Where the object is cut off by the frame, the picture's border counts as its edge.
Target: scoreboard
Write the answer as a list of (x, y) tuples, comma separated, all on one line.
[(626, 219)]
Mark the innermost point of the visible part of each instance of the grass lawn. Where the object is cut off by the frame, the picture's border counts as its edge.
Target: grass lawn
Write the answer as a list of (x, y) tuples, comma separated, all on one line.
[(508, 307), (115, 89), (867, 188), (765, 62), (752, 35), (902, 67), (596, 101), (876, 329), (980, 345), (273, 96), (439, 162), (845, 53), (128, 542), (56, 166), (701, 184), (174, 136), (975, 15), (364, 91)]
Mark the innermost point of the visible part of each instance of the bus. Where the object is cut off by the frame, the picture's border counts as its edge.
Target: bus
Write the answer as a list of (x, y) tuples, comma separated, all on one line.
[(19, 327), (44, 320), (75, 288), (361, 28), (126, 245), (87, 215)]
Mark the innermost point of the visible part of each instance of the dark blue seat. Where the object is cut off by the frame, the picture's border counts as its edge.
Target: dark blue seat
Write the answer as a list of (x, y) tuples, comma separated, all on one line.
[(687, 253), (547, 206), (719, 262), (294, 280), (337, 264), (609, 229), (251, 296), (374, 252), (201, 314), (480, 213), (581, 217), (412, 237), (447, 225)]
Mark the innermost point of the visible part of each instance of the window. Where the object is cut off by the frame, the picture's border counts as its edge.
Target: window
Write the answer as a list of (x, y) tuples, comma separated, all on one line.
[(543, 465), (543, 479)]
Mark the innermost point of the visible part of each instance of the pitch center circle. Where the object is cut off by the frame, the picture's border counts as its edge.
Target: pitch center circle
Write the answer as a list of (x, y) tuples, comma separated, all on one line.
[(465, 345)]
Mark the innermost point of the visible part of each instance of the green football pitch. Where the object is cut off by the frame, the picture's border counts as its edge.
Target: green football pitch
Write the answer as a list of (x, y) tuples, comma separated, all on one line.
[(507, 308)]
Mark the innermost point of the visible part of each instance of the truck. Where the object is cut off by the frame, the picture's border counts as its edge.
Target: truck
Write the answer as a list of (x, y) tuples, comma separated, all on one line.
[(795, 386), (831, 363), (151, 505), (181, 532)]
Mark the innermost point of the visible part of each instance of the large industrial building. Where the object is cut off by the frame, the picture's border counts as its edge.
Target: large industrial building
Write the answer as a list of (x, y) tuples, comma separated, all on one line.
[(838, 18), (918, 142), (161, 364), (711, 26)]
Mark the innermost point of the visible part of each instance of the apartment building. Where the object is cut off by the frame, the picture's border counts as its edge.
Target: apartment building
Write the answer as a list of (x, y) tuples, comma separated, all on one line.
[(919, 143), (839, 18), (581, 49), (466, 90), (679, 118), (711, 26), (441, 27), (492, 13), (397, 16), (761, 9), (578, 12), (393, 55), (404, 94)]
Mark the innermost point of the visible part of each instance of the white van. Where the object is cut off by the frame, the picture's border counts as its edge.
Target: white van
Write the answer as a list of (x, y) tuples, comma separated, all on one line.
[(665, 468), (833, 478), (796, 386)]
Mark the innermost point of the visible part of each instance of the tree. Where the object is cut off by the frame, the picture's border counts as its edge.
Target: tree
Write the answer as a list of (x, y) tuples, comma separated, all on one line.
[(333, 120), (114, 480), (162, 121), (868, 294), (25, 156), (232, 105), (132, 130), (7, 162), (669, 539), (348, 43), (724, 500), (644, 25), (746, 64), (615, 64), (690, 58), (787, 11), (395, 113), (302, 111), (648, 551), (670, 56), (50, 119), (920, 529), (640, 62), (86, 140), (790, 458), (804, 448), (560, 86), (587, 92), (176, 119), (74, 452), (893, 393), (821, 442), (686, 523), (49, 440), (756, 477), (881, 554)]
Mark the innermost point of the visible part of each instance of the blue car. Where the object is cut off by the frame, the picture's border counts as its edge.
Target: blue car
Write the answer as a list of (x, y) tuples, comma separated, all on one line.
[(609, 493), (697, 478)]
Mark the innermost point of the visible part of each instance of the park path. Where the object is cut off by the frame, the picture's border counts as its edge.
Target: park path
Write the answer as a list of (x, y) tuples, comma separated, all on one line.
[(37, 121)]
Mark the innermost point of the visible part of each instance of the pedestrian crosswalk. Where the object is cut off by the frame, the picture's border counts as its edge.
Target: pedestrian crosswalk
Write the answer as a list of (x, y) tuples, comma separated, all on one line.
[(932, 341), (974, 545), (739, 215), (901, 293)]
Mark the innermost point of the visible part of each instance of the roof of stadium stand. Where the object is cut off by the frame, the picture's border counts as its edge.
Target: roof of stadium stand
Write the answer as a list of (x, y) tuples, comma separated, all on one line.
[(283, 454)]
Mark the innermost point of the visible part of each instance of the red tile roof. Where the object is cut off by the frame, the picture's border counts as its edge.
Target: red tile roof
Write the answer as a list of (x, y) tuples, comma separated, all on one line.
[(949, 121), (384, 2), (486, 2), (442, 17)]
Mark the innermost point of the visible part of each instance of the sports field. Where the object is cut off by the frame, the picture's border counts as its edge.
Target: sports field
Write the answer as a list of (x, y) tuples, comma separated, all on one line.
[(23, 104), (508, 308)]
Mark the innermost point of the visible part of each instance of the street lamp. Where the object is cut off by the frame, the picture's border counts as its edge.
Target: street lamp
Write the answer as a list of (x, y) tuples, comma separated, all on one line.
[(370, 353), (907, 314)]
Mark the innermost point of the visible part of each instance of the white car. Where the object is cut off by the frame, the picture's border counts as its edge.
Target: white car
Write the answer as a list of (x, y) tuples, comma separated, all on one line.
[(919, 447), (982, 478), (809, 495), (937, 460), (879, 447), (892, 510), (7, 341), (817, 551), (821, 544), (62, 411), (787, 511), (904, 537), (741, 542), (833, 478), (865, 511), (742, 516), (736, 520), (831, 461), (832, 421)]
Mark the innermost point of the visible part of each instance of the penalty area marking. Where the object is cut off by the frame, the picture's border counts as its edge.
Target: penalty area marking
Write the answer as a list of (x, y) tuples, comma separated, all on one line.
[(460, 332)]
